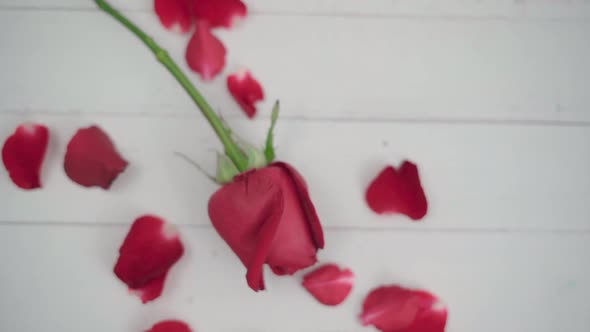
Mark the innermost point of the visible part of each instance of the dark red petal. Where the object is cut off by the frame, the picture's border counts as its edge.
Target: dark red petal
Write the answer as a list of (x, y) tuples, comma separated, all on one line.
[(205, 53), (150, 249), (170, 326), (306, 203), (220, 12), (396, 309), (246, 91), (329, 284), (175, 14), (246, 214), (23, 154), (396, 191), (92, 160)]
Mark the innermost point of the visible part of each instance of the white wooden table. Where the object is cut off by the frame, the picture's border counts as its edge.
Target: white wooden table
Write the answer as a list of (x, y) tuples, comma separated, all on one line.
[(489, 97)]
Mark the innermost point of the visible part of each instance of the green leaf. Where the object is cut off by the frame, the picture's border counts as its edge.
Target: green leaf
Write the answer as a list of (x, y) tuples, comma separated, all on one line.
[(269, 150)]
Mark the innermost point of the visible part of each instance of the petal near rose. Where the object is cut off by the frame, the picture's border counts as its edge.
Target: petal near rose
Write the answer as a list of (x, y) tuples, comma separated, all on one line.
[(205, 54), (174, 14), (398, 191), (92, 160), (246, 91), (397, 309), (150, 249), (23, 154), (219, 13), (170, 326), (329, 284)]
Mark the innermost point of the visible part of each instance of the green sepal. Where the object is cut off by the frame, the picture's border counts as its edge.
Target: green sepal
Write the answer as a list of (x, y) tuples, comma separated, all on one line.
[(269, 149), (226, 170)]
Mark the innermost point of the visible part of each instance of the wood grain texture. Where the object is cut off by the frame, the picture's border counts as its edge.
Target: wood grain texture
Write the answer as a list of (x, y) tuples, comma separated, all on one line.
[(489, 98), (495, 9), (476, 176), (318, 67), (522, 282)]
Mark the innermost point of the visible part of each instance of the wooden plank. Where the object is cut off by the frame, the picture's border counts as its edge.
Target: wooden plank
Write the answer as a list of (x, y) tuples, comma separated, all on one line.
[(545, 9), (476, 176), (58, 278), (319, 67)]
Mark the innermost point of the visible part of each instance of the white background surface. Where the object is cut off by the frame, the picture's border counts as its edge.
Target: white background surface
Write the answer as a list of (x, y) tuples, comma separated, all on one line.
[(489, 98)]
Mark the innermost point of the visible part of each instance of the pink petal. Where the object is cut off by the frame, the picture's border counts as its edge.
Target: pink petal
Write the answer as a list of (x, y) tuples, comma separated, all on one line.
[(150, 249), (175, 14), (205, 53), (396, 309), (170, 326), (329, 284), (398, 191), (220, 12), (92, 160), (246, 90), (23, 154)]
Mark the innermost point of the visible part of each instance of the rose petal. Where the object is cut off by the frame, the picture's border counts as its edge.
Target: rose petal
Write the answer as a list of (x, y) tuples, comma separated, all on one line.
[(395, 309), (92, 160), (398, 191), (175, 14), (246, 90), (205, 53), (329, 284), (257, 202), (315, 226), (170, 326), (23, 154), (150, 249), (220, 12)]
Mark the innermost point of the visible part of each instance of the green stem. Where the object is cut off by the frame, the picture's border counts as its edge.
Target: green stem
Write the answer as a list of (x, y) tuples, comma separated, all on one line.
[(231, 148)]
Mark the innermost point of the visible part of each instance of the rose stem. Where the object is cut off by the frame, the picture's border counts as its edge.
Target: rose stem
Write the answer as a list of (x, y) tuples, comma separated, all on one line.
[(231, 148)]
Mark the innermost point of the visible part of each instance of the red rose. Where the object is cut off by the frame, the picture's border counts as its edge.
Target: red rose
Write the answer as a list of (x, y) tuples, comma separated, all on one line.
[(266, 216)]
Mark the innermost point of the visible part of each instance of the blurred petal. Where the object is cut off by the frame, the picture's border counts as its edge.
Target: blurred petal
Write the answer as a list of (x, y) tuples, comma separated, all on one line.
[(170, 326), (205, 54), (220, 13), (91, 159), (23, 154), (398, 191), (396, 309), (150, 249), (246, 91), (329, 284), (175, 14)]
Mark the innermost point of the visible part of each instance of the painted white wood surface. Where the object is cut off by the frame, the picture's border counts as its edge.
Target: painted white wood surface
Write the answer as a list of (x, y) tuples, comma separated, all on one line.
[(476, 176), (60, 280), (500, 9), (490, 98), (320, 67)]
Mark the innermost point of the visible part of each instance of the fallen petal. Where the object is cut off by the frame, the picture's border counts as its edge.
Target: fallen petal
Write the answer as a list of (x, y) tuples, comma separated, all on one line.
[(396, 309), (246, 90), (329, 284), (23, 154), (220, 13), (205, 54), (174, 14), (92, 160), (398, 191), (150, 249), (170, 326)]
